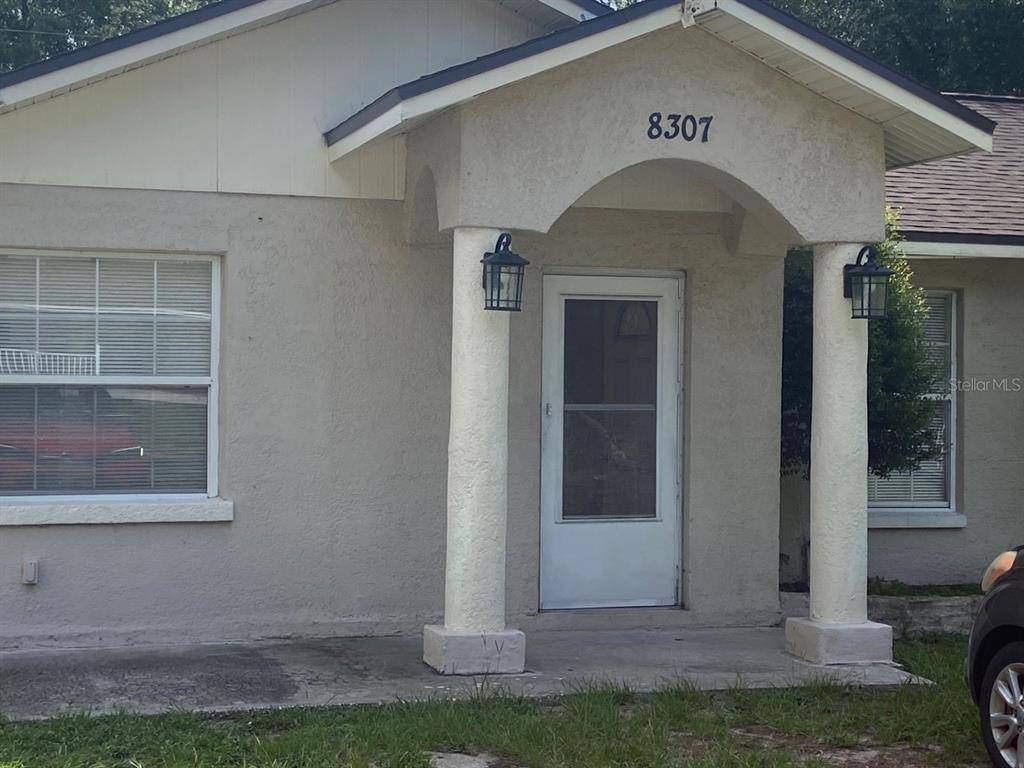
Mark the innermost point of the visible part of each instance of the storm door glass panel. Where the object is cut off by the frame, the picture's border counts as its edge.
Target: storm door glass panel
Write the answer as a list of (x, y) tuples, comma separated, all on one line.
[(610, 418)]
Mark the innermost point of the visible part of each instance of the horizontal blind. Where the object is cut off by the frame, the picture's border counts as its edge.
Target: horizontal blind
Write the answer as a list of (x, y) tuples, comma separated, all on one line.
[(104, 440), (105, 316), (938, 336), (926, 485), (929, 484)]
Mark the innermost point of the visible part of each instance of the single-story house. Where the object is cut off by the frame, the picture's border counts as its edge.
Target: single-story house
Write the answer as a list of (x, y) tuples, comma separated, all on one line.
[(963, 220), (248, 383)]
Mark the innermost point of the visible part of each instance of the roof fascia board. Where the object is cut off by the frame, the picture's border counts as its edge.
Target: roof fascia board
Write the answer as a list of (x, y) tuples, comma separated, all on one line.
[(933, 250), (395, 108), (134, 48), (906, 95)]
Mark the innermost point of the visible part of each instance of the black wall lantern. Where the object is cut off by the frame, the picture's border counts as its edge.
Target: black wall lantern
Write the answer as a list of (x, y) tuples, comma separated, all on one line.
[(867, 283), (503, 277)]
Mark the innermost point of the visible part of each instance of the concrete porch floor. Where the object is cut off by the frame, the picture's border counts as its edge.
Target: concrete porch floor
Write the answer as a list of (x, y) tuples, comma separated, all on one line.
[(345, 671)]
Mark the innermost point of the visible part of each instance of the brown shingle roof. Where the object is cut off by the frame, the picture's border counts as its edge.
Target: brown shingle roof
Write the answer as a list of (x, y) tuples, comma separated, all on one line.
[(977, 197)]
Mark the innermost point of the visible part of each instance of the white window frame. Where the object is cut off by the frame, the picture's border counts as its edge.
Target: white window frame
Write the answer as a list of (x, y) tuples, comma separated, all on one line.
[(82, 508), (928, 514)]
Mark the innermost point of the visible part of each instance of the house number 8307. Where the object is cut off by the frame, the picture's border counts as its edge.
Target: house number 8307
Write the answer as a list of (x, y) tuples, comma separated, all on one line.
[(686, 127)]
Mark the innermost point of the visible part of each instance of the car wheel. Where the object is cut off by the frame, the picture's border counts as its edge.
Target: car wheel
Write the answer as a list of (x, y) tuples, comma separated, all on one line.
[(1002, 707)]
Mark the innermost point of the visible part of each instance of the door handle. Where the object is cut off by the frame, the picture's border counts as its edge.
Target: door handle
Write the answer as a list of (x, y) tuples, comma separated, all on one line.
[(548, 410)]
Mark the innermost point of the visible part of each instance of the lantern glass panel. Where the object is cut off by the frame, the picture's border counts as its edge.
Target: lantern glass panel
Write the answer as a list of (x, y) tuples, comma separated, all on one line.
[(860, 295), (504, 286), (878, 289), (869, 294)]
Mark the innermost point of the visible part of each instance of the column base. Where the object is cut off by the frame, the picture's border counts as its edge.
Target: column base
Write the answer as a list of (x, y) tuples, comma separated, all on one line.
[(467, 652), (833, 642)]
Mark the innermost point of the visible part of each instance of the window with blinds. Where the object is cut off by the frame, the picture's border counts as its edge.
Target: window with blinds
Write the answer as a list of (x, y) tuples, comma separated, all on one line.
[(105, 375), (930, 485)]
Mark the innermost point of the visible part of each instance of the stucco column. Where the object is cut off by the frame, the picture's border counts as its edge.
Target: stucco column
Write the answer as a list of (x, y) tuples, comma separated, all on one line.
[(474, 638), (838, 631)]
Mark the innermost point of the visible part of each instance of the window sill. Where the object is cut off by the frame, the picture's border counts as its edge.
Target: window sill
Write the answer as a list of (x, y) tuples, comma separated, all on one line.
[(83, 511), (915, 518)]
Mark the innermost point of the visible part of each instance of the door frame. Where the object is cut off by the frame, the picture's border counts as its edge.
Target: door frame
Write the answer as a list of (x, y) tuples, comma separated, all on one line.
[(667, 287)]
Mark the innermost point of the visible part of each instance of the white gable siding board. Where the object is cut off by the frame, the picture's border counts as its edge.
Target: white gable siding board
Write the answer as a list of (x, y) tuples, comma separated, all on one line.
[(247, 113)]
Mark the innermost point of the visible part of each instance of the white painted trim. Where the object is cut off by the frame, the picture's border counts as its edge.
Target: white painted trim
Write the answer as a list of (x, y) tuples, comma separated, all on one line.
[(668, 292), (213, 393), (569, 8), (149, 50), (915, 518), (74, 253), (107, 510), (464, 90), (674, 274), (108, 381), (854, 73), (211, 382), (919, 250)]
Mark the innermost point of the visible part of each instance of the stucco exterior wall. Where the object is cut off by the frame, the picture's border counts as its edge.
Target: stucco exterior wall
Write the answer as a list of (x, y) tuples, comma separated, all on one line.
[(334, 423), (571, 127), (731, 374), (334, 428), (990, 466), (991, 431)]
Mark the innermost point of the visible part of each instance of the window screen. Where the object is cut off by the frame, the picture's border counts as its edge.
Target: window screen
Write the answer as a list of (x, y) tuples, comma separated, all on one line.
[(105, 375), (930, 484)]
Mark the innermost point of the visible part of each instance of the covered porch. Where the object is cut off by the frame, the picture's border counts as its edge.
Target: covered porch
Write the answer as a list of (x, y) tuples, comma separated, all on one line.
[(592, 467)]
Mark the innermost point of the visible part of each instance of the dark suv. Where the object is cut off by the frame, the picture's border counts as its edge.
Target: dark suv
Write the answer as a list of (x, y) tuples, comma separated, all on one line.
[(995, 660)]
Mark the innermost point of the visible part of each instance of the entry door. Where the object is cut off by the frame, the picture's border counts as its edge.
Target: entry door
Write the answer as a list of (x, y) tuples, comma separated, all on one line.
[(610, 522)]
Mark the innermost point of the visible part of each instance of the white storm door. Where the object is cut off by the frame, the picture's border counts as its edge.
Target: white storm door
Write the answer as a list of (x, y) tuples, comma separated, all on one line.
[(610, 470)]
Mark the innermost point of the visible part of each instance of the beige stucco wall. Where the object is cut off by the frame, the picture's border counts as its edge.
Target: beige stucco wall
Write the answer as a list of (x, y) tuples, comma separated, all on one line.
[(991, 431), (520, 155), (334, 428), (334, 388), (990, 471), (731, 377), (336, 351)]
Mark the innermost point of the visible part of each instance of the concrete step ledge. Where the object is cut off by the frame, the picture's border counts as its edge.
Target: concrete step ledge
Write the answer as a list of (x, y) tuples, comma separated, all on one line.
[(906, 615)]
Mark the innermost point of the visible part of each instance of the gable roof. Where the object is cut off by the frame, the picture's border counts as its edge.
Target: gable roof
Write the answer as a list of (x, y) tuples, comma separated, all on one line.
[(919, 123), (975, 198), (189, 29)]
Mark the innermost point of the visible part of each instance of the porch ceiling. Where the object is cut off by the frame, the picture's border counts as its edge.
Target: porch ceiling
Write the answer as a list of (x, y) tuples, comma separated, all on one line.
[(918, 124)]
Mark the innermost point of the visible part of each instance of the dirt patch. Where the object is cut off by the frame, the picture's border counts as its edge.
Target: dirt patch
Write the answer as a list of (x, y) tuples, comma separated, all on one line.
[(871, 755)]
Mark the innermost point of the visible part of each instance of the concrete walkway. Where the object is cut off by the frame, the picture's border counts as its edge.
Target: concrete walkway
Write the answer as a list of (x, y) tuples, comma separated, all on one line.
[(334, 672)]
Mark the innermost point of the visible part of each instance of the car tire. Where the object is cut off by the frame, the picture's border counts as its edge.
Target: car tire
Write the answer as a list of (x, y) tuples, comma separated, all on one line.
[(1001, 707)]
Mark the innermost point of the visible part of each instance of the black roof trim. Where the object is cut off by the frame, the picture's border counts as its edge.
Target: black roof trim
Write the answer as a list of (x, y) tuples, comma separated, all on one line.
[(491, 61), (161, 28), (967, 238), (872, 65), (173, 24), (595, 7), (607, 21)]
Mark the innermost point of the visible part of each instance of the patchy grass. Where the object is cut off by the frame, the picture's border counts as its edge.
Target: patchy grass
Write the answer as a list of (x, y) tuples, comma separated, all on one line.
[(886, 588), (815, 725)]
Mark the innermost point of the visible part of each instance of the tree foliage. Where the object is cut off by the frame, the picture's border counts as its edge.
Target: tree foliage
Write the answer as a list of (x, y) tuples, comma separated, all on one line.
[(900, 371), (968, 46), (31, 30), (951, 45)]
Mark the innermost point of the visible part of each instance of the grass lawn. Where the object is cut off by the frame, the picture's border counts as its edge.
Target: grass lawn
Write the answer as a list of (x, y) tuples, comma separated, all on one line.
[(816, 725)]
